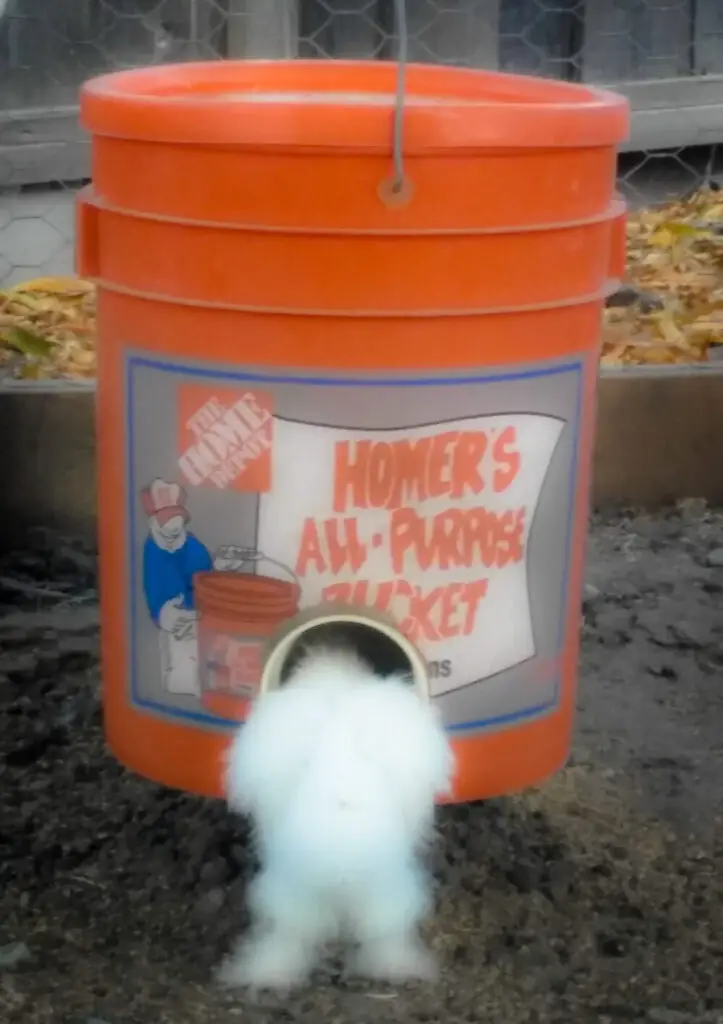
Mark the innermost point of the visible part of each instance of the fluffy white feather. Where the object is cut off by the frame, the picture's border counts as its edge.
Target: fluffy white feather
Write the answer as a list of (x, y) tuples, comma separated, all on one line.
[(339, 770)]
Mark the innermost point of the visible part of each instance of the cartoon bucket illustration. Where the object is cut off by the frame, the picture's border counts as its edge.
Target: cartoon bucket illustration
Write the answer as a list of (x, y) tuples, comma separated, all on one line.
[(238, 610)]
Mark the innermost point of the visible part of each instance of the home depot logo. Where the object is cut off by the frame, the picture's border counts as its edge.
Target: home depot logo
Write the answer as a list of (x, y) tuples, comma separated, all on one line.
[(224, 438)]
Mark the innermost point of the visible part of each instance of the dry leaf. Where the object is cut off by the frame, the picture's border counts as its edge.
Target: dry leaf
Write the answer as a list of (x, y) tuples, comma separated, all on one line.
[(28, 342)]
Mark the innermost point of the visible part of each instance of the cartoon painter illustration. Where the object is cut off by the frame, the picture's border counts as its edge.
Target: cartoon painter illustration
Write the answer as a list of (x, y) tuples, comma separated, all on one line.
[(172, 555)]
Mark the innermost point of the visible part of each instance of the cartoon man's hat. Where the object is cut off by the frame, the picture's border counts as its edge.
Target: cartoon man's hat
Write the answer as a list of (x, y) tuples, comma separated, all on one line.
[(164, 500)]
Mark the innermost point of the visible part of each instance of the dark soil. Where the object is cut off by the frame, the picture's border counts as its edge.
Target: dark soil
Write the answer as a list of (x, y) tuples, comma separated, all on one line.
[(597, 898)]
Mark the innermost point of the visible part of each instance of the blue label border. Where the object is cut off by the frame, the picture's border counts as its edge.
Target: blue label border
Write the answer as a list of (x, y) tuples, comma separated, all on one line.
[(135, 362)]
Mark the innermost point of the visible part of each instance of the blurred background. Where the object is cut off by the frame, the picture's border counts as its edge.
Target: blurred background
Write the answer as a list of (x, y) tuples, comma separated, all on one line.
[(665, 55)]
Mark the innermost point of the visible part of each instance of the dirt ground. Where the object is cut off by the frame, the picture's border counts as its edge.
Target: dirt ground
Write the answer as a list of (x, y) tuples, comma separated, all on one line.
[(597, 898)]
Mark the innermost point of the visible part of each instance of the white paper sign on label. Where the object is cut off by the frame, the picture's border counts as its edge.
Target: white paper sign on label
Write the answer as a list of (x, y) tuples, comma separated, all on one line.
[(430, 523)]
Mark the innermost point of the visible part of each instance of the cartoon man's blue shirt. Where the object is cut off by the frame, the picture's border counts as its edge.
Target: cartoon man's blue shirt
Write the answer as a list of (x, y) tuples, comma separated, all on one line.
[(166, 574)]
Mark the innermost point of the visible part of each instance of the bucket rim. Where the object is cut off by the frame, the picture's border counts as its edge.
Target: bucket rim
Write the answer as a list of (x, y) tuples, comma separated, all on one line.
[(305, 104)]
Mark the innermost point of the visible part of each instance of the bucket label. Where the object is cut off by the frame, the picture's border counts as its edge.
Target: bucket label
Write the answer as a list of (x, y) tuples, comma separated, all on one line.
[(445, 501)]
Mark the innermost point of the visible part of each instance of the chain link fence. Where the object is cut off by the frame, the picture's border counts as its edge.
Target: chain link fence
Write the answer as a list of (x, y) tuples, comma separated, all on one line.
[(666, 55)]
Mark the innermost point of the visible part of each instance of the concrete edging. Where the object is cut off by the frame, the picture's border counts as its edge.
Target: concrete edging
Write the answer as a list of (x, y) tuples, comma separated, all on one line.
[(658, 435)]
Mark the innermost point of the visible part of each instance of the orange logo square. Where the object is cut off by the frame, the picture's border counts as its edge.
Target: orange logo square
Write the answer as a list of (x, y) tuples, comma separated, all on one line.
[(224, 437)]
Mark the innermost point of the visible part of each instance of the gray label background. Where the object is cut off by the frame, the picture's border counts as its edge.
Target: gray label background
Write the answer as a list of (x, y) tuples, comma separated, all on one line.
[(219, 517)]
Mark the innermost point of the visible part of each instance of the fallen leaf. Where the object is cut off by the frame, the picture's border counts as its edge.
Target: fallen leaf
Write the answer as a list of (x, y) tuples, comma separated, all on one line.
[(32, 371), (670, 231), (26, 341)]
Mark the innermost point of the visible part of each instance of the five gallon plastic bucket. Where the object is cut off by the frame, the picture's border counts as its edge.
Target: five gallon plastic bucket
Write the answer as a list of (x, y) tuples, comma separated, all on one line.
[(392, 396)]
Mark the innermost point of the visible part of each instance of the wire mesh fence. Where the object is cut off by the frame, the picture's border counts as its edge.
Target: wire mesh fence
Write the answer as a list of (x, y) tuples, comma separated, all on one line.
[(667, 55)]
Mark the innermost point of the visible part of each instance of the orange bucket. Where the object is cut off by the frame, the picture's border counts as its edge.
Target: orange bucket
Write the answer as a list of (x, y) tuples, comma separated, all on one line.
[(392, 395)]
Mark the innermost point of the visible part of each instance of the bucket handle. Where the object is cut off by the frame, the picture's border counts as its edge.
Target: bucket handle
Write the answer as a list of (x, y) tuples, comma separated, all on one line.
[(246, 554), (87, 234), (397, 190)]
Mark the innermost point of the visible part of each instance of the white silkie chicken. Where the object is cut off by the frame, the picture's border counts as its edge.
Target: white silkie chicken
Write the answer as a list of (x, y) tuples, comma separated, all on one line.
[(339, 770)]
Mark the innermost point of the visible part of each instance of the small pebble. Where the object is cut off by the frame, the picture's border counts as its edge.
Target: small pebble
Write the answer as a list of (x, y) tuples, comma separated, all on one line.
[(211, 902), (214, 872), (715, 558), (78, 645), (12, 954), (239, 854), (628, 295), (688, 634), (18, 663), (664, 1015)]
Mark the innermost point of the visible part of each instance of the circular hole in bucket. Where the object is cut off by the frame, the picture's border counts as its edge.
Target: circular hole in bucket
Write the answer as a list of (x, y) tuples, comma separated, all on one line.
[(381, 652)]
